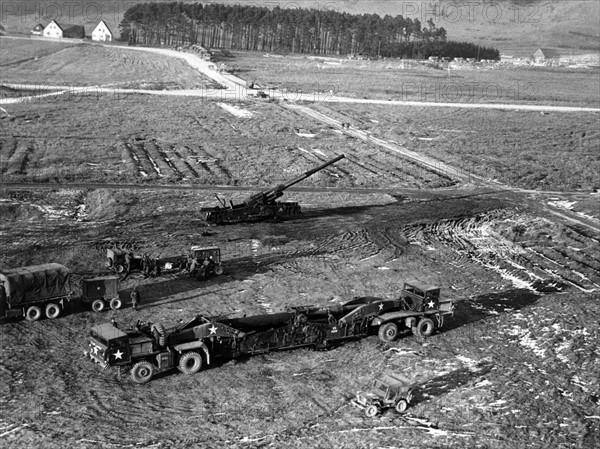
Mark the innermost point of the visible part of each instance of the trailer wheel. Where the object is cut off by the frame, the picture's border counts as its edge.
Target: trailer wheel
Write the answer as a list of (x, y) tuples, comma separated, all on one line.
[(119, 268), (142, 372), (34, 313), (401, 406), (98, 305), (424, 328), (115, 303), (388, 332), (190, 363), (371, 411), (218, 270), (52, 311)]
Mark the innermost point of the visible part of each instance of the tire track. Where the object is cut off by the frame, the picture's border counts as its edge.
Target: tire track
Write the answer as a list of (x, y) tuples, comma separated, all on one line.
[(181, 166), (7, 149), (475, 240), (19, 160), (135, 159), (167, 169)]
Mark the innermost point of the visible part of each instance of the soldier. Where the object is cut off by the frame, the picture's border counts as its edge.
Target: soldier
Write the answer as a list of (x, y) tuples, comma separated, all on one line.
[(146, 265), (135, 298), (127, 262), (156, 269)]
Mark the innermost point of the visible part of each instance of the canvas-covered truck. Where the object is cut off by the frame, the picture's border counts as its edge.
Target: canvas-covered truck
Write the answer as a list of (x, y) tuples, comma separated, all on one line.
[(149, 349), (48, 290)]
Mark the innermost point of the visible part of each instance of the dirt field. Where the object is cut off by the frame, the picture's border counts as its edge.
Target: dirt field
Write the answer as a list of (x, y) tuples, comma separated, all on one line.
[(516, 367), (48, 63)]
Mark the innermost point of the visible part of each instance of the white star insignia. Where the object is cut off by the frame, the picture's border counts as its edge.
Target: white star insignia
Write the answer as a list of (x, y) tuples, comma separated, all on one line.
[(95, 349), (431, 304), (213, 329), (118, 354), (380, 306)]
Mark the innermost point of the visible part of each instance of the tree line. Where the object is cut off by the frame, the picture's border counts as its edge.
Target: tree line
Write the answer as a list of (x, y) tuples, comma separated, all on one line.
[(239, 27)]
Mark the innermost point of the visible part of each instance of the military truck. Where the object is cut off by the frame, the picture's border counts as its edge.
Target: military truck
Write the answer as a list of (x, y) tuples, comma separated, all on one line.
[(422, 311), (48, 290), (148, 348), (388, 391)]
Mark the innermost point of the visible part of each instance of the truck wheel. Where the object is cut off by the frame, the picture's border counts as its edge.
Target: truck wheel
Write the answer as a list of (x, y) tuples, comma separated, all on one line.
[(201, 274), (424, 328), (119, 268), (218, 270), (142, 372), (34, 313), (371, 411), (109, 262), (52, 311), (115, 303), (98, 305), (401, 406), (190, 363), (388, 332)]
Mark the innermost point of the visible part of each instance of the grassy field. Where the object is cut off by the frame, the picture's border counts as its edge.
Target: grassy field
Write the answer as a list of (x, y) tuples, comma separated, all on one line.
[(47, 63), (554, 151), (411, 81)]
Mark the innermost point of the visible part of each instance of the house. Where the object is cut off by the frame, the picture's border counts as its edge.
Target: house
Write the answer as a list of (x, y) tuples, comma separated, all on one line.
[(74, 32), (102, 32), (37, 30), (53, 29), (543, 54)]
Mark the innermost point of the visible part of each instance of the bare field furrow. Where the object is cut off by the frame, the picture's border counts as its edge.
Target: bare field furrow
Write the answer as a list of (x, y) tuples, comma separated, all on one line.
[(7, 149), (475, 239), (18, 161), (157, 156)]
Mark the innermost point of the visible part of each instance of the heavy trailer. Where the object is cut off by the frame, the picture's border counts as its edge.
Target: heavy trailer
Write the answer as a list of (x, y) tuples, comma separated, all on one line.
[(49, 290), (149, 349), (262, 205)]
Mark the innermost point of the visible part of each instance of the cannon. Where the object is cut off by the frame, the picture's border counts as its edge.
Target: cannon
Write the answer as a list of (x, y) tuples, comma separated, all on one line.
[(262, 205)]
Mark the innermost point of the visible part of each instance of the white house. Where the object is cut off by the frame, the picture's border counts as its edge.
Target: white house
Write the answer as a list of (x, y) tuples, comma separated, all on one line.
[(53, 29), (102, 32)]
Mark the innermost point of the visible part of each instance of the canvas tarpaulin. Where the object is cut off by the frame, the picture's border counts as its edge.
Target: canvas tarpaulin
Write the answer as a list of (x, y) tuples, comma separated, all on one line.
[(30, 284)]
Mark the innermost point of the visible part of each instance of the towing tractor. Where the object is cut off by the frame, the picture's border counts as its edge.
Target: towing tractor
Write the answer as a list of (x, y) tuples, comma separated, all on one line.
[(148, 349), (205, 261), (48, 290), (421, 311)]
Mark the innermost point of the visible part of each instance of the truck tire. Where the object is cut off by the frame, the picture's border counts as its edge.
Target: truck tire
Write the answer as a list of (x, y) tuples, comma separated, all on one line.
[(109, 262), (424, 328), (52, 311), (158, 330), (190, 363), (401, 406), (201, 274), (218, 270), (115, 303), (98, 305), (388, 332), (119, 268), (371, 411), (142, 372), (33, 313)]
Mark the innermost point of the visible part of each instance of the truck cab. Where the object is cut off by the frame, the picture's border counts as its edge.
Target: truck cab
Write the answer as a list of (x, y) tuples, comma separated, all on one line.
[(108, 345), (420, 297)]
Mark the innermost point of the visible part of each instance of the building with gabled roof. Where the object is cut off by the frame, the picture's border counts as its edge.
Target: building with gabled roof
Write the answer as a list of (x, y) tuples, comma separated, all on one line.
[(543, 54), (102, 32), (53, 29)]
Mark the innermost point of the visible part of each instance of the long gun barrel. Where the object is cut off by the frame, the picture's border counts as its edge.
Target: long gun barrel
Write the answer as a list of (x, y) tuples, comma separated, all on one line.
[(309, 173), (272, 194)]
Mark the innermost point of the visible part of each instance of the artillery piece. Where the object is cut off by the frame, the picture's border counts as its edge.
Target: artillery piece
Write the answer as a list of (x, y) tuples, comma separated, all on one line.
[(262, 205)]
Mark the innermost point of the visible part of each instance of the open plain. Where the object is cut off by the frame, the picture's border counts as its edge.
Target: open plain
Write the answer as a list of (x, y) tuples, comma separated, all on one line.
[(505, 219)]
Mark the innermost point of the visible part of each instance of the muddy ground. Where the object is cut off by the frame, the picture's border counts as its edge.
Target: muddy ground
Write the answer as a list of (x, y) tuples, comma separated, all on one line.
[(516, 367), (517, 363)]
